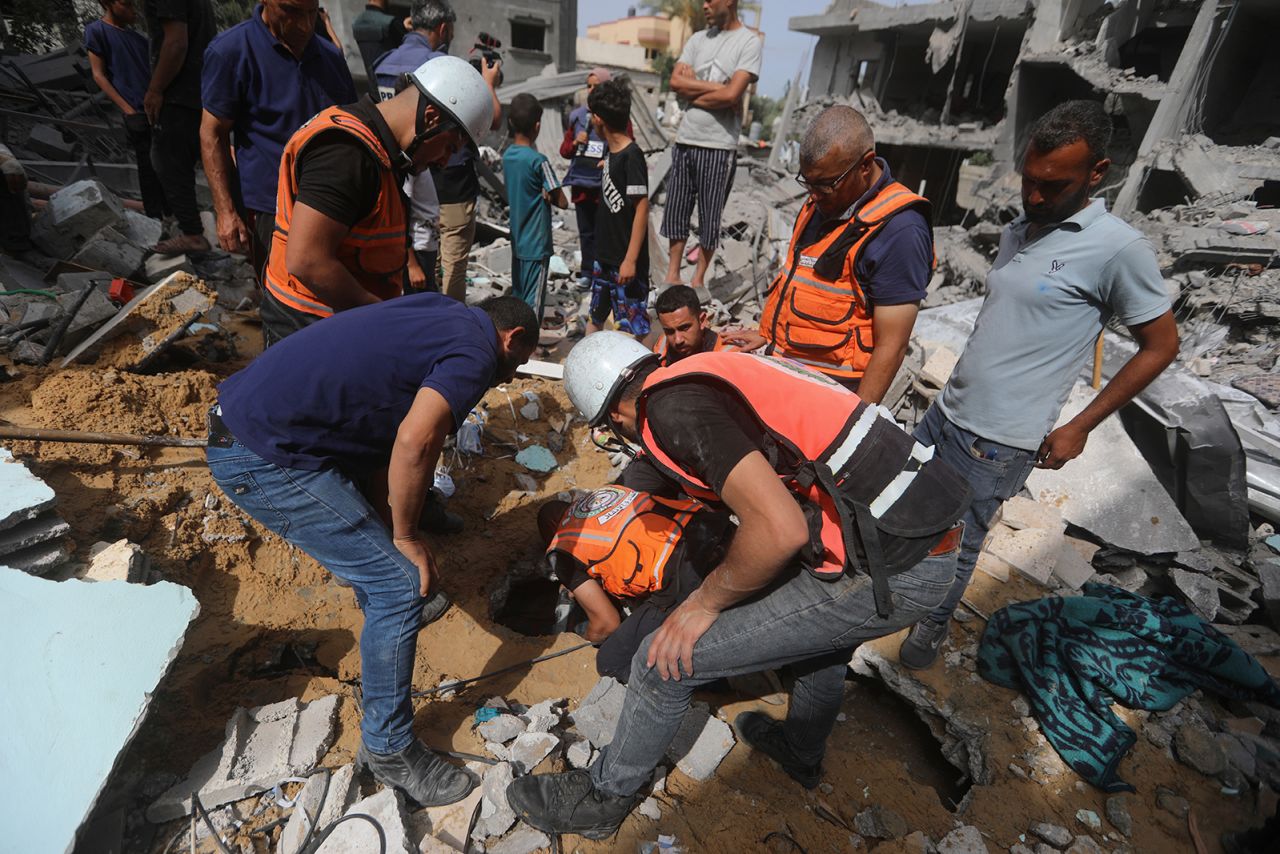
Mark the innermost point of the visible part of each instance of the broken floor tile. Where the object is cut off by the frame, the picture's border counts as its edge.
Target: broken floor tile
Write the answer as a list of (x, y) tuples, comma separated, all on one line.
[(112, 642), (537, 458), (1019, 513), (1072, 569), (993, 566), (358, 836), (263, 746), (1110, 491), (1032, 552), (23, 496)]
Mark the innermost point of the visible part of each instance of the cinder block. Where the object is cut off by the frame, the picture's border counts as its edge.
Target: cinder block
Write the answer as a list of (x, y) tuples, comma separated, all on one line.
[(701, 743), (141, 230), (84, 208), (109, 250)]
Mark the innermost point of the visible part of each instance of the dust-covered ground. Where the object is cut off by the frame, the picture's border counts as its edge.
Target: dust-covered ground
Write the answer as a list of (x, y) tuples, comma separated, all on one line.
[(273, 625)]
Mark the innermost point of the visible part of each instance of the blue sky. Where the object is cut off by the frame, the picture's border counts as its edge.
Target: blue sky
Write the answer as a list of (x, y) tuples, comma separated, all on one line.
[(783, 49)]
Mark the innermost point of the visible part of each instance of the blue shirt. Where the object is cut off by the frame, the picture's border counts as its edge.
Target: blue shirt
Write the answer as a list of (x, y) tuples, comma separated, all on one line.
[(252, 79), (527, 173), (334, 393), (584, 170), (896, 266), (1048, 297), (124, 53)]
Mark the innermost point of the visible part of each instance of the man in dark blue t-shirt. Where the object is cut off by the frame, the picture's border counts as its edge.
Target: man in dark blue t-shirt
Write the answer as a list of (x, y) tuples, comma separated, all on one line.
[(262, 79), (118, 59), (363, 398)]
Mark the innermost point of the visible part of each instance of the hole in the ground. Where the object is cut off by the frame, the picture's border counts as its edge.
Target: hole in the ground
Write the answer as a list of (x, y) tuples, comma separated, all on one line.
[(881, 721), (534, 606)]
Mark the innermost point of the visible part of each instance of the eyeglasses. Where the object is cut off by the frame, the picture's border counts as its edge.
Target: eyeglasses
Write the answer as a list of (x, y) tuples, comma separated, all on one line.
[(826, 188)]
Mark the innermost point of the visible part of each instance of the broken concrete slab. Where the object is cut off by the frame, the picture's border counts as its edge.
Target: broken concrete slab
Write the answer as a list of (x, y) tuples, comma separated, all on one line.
[(52, 240), (96, 310), (1200, 591), (118, 561), (42, 529), (993, 566), (111, 641), (963, 840), (449, 823), (1020, 513), (84, 208), (530, 748), (1033, 552), (158, 267), (324, 799), (501, 729), (701, 743), (1109, 490), (263, 746), (358, 836), (23, 496), (1055, 834), (175, 285), (880, 822), (40, 559), (109, 250), (597, 716), (522, 840), (496, 815)]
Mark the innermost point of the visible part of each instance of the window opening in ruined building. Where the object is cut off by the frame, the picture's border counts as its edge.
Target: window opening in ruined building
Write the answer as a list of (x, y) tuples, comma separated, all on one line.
[(1240, 98), (529, 35), (866, 73)]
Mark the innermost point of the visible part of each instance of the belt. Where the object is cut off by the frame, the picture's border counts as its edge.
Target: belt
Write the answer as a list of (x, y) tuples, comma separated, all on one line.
[(950, 541), (219, 435)]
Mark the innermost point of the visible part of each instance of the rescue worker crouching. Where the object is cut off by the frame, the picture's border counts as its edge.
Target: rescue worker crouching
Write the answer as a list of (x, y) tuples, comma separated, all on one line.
[(617, 546), (846, 532)]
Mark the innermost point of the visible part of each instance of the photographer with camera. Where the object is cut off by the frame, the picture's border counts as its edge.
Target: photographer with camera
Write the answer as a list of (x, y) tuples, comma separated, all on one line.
[(456, 183)]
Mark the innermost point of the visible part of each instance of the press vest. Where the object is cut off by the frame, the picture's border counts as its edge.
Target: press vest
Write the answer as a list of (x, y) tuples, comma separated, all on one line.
[(816, 312), (871, 493), (374, 251), (584, 169), (625, 538), (660, 346)]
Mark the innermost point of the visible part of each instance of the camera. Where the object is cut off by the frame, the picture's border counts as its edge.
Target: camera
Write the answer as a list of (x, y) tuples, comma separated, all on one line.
[(486, 47)]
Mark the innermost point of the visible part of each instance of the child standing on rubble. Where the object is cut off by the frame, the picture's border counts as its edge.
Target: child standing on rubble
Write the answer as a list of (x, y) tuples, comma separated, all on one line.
[(532, 187), (620, 277)]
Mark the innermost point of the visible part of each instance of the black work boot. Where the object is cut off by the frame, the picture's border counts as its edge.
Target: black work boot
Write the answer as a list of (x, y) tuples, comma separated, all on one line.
[(424, 777), (765, 734), (568, 803)]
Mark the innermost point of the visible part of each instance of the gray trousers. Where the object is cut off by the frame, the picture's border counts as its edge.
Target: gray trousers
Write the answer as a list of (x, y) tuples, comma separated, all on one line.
[(811, 624)]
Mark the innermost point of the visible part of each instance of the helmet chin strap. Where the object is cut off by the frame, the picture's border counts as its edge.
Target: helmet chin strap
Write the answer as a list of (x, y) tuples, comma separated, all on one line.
[(422, 133)]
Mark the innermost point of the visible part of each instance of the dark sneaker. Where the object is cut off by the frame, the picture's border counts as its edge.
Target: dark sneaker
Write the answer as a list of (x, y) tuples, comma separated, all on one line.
[(424, 777), (568, 803), (920, 649), (435, 606), (765, 734)]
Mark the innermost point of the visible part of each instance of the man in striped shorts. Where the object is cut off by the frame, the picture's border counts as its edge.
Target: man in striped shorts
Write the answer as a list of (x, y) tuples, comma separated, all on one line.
[(712, 75)]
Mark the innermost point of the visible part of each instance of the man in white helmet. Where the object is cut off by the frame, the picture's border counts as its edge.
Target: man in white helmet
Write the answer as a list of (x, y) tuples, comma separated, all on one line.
[(847, 532), (339, 239)]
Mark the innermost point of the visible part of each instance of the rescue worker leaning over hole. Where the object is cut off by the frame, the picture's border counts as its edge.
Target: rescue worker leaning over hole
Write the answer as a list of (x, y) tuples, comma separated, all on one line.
[(858, 266), (847, 532)]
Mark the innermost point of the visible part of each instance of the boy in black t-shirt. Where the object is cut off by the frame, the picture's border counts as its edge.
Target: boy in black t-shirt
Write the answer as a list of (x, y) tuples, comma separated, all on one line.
[(620, 279)]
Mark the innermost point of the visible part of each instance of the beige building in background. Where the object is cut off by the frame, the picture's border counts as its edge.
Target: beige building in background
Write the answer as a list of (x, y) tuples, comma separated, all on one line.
[(656, 34)]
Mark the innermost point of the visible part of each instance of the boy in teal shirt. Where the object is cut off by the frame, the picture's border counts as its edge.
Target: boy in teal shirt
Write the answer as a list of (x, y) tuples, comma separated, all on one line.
[(532, 188)]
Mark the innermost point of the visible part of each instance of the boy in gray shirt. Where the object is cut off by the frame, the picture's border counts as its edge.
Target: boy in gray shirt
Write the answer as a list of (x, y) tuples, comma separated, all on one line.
[(1065, 267), (713, 72)]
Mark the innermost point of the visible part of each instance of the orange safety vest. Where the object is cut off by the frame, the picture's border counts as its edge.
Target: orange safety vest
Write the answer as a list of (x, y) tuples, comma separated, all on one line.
[(625, 538), (816, 312), (376, 248), (660, 346), (868, 487)]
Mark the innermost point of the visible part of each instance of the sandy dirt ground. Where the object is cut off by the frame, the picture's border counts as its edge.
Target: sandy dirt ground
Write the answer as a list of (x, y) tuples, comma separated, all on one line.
[(273, 625)]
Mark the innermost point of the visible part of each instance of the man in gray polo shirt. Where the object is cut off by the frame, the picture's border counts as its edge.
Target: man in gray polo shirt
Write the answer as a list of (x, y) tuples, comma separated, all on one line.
[(713, 72), (1065, 267)]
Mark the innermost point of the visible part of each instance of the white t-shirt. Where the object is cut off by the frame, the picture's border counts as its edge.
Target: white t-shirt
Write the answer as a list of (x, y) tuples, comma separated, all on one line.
[(715, 56), (424, 211)]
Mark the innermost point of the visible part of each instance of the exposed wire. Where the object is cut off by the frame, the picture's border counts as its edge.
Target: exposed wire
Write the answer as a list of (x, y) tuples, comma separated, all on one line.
[(213, 831), (458, 683), (328, 831)]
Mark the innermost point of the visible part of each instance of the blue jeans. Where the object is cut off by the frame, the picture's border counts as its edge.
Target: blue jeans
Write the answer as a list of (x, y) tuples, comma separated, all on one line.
[(324, 514), (995, 472), (809, 623)]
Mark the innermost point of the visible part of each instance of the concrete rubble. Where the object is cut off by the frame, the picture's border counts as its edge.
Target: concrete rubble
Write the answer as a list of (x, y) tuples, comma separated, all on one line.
[(262, 746), (324, 799), (387, 808), (32, 535)]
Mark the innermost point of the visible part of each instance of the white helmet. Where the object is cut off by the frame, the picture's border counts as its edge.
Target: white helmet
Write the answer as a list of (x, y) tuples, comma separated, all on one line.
[(598, 367), (453, 85)]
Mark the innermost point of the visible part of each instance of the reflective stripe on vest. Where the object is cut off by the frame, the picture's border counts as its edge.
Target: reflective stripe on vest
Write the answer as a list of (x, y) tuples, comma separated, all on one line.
[(819, 421), (374, 250), (624, 538), (826, 322)]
